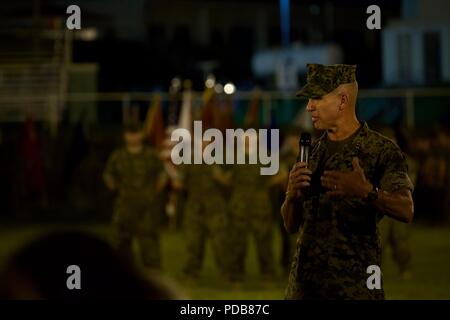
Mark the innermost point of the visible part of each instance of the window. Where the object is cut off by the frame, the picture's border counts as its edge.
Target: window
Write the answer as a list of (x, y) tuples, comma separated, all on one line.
[(432, 57), (404, 57)]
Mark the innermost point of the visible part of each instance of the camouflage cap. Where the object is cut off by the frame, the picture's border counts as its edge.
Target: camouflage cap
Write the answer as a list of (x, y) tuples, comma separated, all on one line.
[(322, 79)]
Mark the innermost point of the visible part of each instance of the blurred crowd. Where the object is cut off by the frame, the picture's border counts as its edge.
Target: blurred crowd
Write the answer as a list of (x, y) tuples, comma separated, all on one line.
[(432, 194), (125, 175), (47, 177)]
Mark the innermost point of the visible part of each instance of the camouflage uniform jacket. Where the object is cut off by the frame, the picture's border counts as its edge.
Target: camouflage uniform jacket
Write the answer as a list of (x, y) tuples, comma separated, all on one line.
[(339, 238), (202, 188), (250, 195), (135, 176)]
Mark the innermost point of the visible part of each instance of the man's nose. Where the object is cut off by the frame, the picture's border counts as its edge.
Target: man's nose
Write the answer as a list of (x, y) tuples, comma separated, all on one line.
[(310, 106)]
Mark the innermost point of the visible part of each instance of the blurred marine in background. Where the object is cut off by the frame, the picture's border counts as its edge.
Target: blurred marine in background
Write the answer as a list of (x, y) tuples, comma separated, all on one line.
[(137, 174), (205, 215), (251, 214), (395, 235)]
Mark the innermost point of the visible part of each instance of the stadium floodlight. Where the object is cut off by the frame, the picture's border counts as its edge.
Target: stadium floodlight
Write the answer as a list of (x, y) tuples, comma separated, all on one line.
[(210, 81), (218, 88), (87, 34), (229, 88), (176, 82)]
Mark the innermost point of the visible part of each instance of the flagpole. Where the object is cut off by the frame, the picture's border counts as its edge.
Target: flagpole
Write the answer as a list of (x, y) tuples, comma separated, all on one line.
[(285, 22)]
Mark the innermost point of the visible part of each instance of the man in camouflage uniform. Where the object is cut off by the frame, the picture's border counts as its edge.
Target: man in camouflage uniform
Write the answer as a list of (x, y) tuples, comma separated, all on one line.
[(137, 174), (250, 213), (354, 176), (205, 215), (394, 234)]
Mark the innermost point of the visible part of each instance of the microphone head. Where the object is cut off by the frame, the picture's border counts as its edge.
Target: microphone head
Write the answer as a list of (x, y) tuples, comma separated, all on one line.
[(305, 139)]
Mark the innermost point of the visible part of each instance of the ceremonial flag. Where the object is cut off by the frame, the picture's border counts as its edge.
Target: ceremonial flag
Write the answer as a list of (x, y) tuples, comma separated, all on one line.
[(154, 123)]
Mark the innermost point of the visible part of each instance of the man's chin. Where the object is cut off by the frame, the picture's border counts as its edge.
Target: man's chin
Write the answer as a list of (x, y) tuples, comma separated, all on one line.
[(320, 126), (317, 125)]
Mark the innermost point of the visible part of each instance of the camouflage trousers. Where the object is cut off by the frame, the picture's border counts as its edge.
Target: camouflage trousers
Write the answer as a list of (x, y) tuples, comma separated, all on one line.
[(141, 224), (261, 229), (203, 222)]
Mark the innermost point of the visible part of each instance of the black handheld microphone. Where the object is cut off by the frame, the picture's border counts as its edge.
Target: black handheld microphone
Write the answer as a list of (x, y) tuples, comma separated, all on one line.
[(305, 145)]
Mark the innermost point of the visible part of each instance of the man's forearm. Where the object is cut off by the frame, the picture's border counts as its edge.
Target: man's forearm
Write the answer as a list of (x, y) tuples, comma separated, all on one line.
[(290, 217), (398, 205)]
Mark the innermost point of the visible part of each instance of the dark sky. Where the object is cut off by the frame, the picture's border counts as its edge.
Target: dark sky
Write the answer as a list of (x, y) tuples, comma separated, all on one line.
[(128, 63)]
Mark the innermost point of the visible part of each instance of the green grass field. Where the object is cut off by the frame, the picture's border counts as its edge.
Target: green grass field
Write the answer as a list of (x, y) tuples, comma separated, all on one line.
[(430, 278)]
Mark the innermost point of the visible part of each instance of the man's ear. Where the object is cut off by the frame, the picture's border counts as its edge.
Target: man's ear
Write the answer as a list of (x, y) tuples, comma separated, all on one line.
[(344, 101)]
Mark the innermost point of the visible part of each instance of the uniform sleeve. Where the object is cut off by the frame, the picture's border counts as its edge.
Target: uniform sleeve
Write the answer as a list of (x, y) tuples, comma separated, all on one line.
[(183, 172), (159, 165), (111, 167), (395, 170), (156, 163)]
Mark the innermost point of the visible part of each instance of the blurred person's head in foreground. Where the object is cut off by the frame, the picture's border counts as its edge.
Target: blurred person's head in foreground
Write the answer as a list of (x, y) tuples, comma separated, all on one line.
[(40, 271), (332, 91)]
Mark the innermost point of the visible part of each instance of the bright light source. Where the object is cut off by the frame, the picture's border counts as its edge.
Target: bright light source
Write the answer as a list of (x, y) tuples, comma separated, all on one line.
[(210, 82), (87, 34), (218, 88), (176, 82), (229, 88)]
